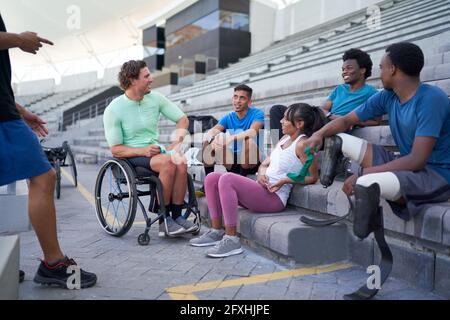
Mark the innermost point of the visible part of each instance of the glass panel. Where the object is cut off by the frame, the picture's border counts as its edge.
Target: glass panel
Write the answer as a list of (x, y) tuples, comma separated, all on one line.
[(233, 20), (214, 20), (199, 27)]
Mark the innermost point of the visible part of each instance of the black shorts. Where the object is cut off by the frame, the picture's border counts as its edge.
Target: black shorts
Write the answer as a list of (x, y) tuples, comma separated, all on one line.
[(418, 188), (237, 167)]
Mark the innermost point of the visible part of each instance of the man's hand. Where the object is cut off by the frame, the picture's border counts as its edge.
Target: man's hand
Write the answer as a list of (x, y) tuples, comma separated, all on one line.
[(174, 146), (349, 185), (30, 42), (314, 142), (34, 122), (222, 141), (152, 150)]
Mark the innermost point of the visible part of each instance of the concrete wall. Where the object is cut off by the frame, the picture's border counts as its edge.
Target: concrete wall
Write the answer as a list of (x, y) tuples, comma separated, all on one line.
[(262, 21)]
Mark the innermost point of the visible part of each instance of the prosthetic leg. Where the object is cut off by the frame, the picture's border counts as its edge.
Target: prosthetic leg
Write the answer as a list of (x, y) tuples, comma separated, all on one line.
[(368, 217)]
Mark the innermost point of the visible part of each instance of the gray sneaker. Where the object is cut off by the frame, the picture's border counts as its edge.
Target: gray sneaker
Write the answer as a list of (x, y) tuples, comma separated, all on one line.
[(170, 227), (210, 238), (225, 248), (189, 226)]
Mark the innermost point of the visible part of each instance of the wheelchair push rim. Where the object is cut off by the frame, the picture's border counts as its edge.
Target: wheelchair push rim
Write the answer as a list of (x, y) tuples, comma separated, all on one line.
[(115, 198)]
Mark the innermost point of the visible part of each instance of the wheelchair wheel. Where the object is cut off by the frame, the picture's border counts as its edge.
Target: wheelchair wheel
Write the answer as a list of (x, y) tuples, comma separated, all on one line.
[(57, 167), (115, 197), (143, 239), (71, 162)]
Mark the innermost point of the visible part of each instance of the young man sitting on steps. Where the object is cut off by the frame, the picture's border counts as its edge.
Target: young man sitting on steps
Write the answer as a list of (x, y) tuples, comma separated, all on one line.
[(356, 68), (238, 149), (419, 119)]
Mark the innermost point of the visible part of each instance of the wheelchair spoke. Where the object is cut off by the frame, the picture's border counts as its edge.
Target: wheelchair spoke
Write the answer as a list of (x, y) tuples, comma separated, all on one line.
[(115, 197)]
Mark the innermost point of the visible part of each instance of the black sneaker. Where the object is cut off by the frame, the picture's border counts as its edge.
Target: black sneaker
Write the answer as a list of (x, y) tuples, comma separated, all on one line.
[(59, 275), (331, 159)]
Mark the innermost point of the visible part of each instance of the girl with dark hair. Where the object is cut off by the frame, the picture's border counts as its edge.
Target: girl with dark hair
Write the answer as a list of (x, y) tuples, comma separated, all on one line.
[(269, 194)]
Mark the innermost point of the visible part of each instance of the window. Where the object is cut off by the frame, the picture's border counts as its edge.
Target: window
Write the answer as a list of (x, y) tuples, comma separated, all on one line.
[(214, 20)]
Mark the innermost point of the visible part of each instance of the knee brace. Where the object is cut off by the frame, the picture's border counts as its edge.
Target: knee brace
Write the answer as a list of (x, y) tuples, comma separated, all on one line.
[(353, 147), (388, 182)]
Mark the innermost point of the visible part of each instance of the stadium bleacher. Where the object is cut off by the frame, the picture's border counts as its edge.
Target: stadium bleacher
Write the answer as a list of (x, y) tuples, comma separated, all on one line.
[(301, 68)]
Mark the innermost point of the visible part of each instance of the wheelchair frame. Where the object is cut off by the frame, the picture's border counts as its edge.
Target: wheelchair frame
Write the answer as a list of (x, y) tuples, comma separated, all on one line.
[(57, 158), (123, 173)]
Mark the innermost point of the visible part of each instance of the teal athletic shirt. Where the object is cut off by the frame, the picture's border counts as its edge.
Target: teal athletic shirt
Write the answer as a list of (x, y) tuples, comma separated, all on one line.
[(345, 101), (135, 124)]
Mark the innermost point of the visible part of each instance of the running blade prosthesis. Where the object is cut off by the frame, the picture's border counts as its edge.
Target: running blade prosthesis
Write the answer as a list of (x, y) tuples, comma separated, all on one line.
[(368, 218)]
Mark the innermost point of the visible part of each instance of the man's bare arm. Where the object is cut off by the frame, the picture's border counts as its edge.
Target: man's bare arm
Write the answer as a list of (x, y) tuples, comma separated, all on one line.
[(26, 41), (214, 131), (122, 151), (251, 132)]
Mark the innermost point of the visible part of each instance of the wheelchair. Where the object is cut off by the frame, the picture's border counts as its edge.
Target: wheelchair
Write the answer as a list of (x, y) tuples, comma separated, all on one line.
[(118, 189), (61, 157)]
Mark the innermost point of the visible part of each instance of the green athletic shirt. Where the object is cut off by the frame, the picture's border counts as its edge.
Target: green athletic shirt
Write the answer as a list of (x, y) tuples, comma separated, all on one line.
[(135, 124)]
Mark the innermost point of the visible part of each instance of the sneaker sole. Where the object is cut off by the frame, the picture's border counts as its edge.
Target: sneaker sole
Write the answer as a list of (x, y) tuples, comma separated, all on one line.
[(174, 233), (222, 255), (61, 283), (194, 228), (208, 244)]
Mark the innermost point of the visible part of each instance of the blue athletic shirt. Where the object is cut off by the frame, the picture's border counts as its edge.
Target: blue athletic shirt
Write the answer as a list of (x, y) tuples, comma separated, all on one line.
[(427, 114), (345, 101), (234, 125)]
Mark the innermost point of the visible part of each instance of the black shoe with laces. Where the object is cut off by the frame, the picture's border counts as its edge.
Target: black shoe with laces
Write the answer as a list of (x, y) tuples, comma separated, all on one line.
[(59, 274)]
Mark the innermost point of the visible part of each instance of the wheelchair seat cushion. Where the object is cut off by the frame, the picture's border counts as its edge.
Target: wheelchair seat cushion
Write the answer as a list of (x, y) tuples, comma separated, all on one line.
[(142, 166), (144, 172)]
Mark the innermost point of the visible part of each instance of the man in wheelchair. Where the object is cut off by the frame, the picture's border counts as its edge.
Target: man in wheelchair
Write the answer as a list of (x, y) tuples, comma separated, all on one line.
[(131, 129)]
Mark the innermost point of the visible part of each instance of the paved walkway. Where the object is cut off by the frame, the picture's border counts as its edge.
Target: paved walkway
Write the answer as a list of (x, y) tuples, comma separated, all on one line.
[(171, 269)]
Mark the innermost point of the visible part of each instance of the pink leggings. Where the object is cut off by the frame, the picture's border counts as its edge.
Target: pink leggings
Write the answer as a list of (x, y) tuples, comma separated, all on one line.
[(225, 191)]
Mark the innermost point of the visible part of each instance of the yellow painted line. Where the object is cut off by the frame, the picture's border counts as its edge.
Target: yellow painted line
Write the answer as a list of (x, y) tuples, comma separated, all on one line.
[(186, 292), (84, 192), (183, 291), (182, 296)]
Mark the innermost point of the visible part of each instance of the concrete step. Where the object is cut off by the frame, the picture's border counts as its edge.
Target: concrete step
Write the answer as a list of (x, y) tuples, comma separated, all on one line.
[(14, 208), (9, 267), (96, 132), (284, 234), (433, 224), (100, 153), (89, 141), (86, 158)]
